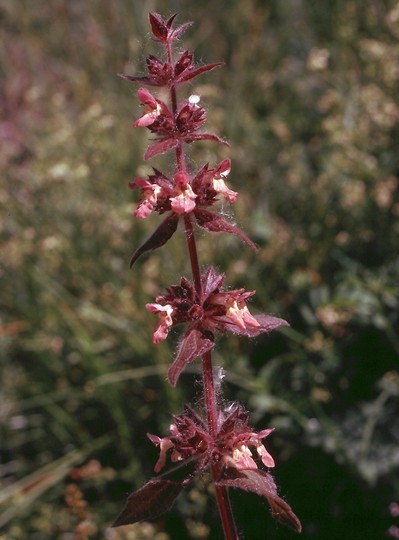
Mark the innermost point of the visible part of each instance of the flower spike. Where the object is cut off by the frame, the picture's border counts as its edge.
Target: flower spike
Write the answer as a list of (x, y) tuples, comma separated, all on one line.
[(222, 442)]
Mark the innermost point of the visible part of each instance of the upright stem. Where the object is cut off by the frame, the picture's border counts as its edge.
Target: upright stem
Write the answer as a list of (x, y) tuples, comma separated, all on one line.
[(210, 393), (192, 249), (222, 494)]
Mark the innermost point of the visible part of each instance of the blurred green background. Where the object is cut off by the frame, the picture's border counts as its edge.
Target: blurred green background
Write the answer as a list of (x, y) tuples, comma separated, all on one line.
[(308, 100)]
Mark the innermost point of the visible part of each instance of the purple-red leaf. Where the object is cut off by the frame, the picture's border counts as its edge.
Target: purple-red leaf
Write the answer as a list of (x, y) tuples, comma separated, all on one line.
[(177, 32), (192, 345), (267, 323), (206, 136), (141, 80), (189, 74), (155, 498), (158, 495), (159, 237), (160, 28), (210, 282), (215, 223), (262, 483), (183, 64), (160, 147)]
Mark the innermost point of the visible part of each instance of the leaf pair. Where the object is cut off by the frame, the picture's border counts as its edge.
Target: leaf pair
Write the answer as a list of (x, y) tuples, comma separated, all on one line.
[(210, 221), (157, 496)]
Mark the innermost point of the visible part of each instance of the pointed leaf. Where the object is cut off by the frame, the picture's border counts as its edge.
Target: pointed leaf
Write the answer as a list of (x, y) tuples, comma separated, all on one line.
[(189, 74), (159, 26), (184, 63), (158, 238), (206, 136), (267, 323), (192, 345), (160, 147), (152, 500), (262, 483), (210, 282), (179, 31), (158, 495), (169, 22), (215, 223), (142, 80)]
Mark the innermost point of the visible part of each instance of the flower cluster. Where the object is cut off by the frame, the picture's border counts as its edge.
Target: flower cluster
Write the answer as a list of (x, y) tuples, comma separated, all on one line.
[(230, 448), (233, 453), (183, 195), (207, 311), (222, 443), (172, 128)]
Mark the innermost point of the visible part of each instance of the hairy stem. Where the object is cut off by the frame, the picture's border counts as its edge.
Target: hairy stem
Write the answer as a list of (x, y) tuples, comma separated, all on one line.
[(210, 399), (192, 249), (222, 494), (225, 511)]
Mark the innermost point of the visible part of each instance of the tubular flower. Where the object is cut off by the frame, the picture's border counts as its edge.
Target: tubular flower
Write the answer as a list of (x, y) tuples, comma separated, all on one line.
[(237, 311), (149, 197), (209, 183), (220, 173), (184, 201), (165, 321), (182, 195), (153, 109)]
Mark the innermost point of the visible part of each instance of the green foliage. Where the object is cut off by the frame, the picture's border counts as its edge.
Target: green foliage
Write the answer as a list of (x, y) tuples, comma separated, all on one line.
[(308, 100)]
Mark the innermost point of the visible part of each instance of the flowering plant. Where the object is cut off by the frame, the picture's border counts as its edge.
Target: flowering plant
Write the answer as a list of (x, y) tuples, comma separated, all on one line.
[(222, 442)]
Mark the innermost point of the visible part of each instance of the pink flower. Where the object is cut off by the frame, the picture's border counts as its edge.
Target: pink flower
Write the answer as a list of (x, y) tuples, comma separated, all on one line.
[(237, 311), (149, 197), (165, 321), (209, 183), (184, 196), (220, 173), (184, 200), (152, 108), (164, 444)]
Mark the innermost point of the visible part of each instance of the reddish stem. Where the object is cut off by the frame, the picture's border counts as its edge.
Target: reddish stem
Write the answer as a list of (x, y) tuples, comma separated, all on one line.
[(192, 249), (222, 494), (225, 511)]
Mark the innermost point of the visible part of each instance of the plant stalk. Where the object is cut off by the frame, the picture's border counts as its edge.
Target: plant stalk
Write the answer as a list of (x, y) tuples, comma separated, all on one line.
[(210, 399)]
